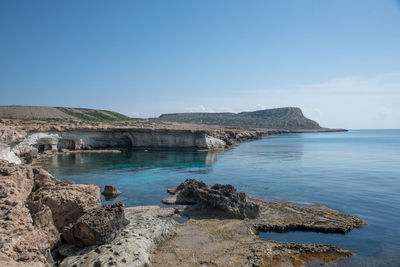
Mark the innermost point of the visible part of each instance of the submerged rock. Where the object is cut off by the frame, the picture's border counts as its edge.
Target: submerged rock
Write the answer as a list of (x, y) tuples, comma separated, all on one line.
[(97, 226), (222, 198), (110, 192)]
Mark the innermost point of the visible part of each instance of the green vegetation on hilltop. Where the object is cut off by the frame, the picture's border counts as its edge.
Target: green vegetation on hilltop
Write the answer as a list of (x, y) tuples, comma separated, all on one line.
[(61, 114), (279, 118), (86, 114)]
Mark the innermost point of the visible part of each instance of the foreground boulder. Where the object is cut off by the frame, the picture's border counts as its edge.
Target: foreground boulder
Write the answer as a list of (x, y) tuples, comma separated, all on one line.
[(222, 198), (34, 207), (110, 192), (98, 226), (68, 201)]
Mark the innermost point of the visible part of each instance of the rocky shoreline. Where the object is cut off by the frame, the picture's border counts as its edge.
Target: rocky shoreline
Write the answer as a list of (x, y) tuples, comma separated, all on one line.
[(47, 222), (24, 141)]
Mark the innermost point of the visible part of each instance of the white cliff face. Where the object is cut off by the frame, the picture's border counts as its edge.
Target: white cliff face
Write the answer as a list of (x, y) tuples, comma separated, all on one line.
[(7, 154), (129, 139), (174, 139), (213, 143)]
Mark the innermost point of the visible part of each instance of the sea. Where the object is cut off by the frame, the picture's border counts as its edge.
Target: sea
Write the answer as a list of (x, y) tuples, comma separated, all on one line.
[(355, 172)]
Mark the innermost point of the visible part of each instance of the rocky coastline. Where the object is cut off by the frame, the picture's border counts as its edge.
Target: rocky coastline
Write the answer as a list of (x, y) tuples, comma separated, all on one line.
[(24, 141), (47, 222)]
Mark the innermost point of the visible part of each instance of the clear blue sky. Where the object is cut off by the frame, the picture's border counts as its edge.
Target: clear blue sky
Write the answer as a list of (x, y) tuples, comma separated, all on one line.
[(338, 60)]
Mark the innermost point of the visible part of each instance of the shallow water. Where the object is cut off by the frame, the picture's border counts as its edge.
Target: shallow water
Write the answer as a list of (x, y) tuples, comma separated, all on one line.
[(355, 172)]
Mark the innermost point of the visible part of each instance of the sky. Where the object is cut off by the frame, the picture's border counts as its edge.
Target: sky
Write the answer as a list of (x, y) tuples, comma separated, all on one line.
[(338, 60)]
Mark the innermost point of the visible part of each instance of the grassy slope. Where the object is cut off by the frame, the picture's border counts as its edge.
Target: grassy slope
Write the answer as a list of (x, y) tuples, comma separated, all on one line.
[(60, 114), (94, 114)]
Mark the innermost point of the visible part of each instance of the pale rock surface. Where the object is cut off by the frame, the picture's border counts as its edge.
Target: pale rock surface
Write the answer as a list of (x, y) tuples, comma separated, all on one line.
[(26, 236), (68, 201), (148, 227), (31, 202), (7, 154), (10, 135)]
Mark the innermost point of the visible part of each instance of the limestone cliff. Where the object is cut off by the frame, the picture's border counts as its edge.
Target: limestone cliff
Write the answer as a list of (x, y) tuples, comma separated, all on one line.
[(23, 140)]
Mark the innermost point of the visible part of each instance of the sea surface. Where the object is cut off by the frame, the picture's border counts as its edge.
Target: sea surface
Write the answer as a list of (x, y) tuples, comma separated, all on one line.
[(356, 172)]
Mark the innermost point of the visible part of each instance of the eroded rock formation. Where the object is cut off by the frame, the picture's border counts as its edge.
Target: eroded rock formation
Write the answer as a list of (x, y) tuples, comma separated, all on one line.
[(26, 235), (222, 198), (212, 238), (68, 201), (34, 207), (97, 227)]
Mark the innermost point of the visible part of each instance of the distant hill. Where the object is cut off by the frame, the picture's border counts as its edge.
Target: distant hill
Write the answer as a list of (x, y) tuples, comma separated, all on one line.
[(60, 113), (290, 118)]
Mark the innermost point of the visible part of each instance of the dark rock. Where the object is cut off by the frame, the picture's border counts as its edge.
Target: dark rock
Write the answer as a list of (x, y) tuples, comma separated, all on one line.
[(187, 191), (110, 192), (98, 226), (224, 198)]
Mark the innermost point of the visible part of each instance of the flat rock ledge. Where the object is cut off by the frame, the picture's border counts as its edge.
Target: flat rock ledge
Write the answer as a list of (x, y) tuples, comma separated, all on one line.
[(214, 237)]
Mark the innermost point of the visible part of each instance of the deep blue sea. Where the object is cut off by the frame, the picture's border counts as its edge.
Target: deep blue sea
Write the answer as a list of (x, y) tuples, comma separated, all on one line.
[(356, 172)]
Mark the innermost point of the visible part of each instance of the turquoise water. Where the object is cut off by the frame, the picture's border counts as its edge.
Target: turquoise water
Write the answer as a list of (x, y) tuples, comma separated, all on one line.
[(355, 172)]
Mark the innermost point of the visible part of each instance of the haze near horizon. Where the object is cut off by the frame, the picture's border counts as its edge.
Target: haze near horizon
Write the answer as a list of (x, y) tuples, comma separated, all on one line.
[(339, 61)]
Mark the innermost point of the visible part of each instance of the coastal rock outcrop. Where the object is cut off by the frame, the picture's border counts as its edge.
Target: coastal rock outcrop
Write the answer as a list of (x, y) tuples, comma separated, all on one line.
[(223, 198), (208, 238), (110, 192), (34, 207), (97, 227), (26, 235), (68, 201)]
